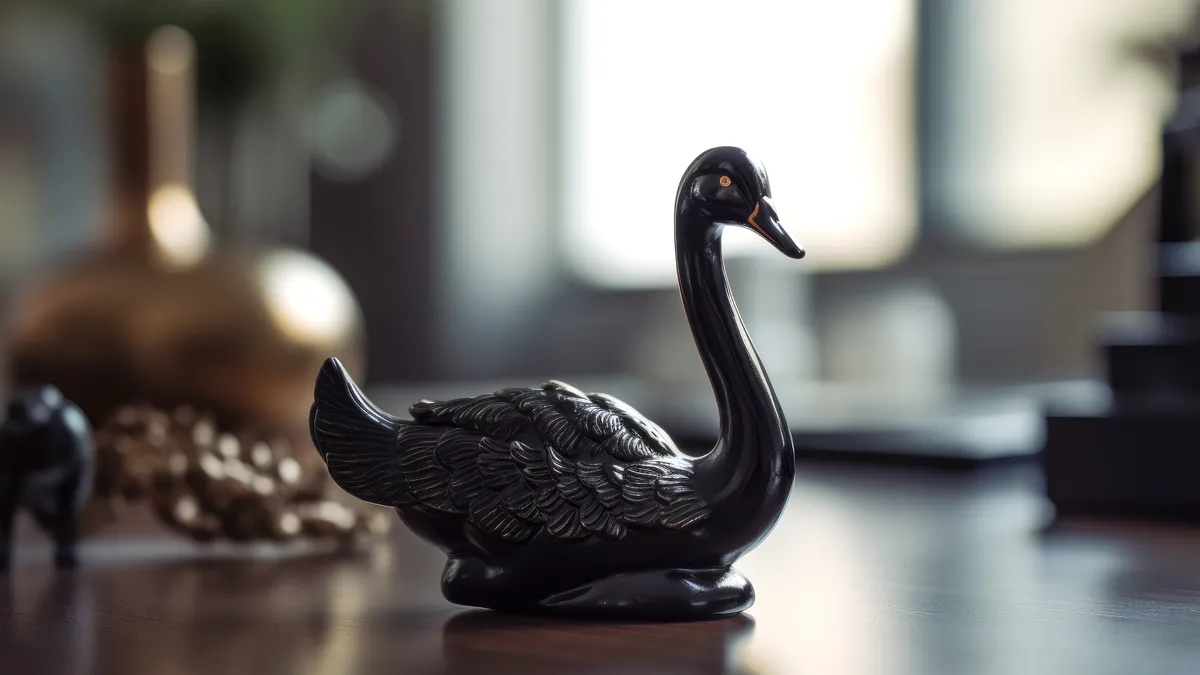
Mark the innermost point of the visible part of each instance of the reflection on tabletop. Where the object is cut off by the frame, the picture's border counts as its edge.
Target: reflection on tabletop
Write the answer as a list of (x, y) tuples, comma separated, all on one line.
[(870, 571)]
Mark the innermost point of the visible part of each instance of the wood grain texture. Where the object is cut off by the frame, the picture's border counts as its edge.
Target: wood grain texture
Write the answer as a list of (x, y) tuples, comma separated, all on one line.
[(870, 571)]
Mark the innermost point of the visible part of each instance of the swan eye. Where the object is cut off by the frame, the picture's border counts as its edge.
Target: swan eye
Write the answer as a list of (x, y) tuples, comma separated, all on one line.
[(725, 181)]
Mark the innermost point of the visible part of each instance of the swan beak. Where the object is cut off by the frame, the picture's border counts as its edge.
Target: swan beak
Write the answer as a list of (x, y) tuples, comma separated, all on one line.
[(765, 222)]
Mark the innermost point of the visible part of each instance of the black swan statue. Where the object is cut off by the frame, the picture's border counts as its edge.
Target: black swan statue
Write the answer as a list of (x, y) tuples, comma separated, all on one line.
[(552, 500)]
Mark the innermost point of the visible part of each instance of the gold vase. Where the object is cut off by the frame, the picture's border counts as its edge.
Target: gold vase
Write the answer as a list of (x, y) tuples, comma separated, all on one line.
[(159, 314)]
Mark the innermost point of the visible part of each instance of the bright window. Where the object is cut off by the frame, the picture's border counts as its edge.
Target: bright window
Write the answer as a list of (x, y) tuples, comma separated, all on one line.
[(820, 91), (1054, 115)]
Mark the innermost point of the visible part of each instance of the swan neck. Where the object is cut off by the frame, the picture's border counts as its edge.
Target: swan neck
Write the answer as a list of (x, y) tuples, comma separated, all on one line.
[(753, 459)]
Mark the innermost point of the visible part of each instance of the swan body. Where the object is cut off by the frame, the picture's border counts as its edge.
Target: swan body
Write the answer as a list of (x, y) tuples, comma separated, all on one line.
[(549, 499)]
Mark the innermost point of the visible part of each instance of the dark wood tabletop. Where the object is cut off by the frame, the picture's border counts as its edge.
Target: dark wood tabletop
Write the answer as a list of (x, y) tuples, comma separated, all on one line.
[(871, 571)]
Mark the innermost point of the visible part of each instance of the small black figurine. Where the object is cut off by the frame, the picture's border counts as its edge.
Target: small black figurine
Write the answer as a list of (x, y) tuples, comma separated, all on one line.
[(46, 464), (553, 500)]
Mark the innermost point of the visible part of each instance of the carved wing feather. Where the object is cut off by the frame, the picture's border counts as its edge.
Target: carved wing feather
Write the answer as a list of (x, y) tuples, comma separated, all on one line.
[(645, 438), (600, 467), (426, 478)]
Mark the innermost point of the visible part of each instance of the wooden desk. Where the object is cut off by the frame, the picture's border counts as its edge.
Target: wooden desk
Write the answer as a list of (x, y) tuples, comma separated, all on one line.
[(871, 571)]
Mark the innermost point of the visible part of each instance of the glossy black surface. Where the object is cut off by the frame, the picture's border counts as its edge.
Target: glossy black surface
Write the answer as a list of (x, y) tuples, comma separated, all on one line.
[(46, 465), (553, 500)]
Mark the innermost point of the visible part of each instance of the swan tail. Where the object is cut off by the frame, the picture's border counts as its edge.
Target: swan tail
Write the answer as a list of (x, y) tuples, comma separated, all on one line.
[(356, 439)]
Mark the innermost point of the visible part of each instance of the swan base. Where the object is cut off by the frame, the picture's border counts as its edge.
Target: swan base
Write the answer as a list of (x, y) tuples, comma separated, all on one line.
[(648, 595)]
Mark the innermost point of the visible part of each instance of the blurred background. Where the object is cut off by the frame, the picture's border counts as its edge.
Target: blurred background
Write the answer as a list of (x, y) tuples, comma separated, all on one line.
[(200, 200), (461, 193)]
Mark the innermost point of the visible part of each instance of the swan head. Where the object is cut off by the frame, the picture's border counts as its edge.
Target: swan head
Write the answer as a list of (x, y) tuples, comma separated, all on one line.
[(728, 187)]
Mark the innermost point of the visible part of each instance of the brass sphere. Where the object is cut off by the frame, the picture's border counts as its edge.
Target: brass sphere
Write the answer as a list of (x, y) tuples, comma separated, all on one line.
[(240, 333)]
